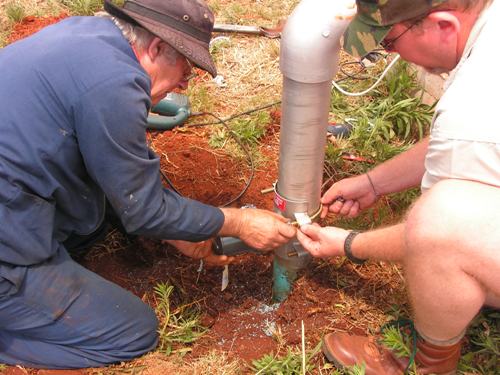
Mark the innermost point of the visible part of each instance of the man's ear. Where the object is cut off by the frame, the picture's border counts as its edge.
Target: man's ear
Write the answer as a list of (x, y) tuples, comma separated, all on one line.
[(154, 48), (448, 24)]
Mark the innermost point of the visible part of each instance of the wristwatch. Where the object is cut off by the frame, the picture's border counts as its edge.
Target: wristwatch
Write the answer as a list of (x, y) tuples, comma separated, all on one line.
[(347, 248)]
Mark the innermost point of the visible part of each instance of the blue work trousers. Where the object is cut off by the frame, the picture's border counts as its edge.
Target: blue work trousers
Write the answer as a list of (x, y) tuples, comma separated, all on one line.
[(64, 316)]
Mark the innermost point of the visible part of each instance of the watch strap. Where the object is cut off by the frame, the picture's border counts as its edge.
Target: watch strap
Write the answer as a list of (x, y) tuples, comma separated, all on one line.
[(347, 247)]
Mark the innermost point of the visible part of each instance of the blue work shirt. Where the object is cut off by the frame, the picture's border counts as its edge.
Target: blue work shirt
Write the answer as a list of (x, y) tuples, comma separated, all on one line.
[(73, 107)]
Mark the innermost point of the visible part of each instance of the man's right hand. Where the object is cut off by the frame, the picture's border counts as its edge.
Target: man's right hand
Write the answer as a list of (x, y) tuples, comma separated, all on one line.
[(348, 197), (261, 229)]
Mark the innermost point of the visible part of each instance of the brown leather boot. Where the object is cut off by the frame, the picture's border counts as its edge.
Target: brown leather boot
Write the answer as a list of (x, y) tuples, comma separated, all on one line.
[(345, 350), (436, 359)]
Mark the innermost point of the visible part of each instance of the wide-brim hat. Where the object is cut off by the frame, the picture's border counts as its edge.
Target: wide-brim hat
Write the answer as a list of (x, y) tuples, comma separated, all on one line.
[(185, 25)]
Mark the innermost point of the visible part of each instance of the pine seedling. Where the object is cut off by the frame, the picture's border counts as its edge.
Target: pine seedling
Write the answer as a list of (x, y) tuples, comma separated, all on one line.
[(395, 341), (177, 327)]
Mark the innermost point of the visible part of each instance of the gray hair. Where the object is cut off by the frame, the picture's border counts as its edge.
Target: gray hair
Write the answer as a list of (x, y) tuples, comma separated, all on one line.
[(138, 35)]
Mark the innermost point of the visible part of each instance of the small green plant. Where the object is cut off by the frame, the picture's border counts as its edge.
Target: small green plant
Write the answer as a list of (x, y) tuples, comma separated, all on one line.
[(390, 110), (201, 100), (249, 131), (83, 7), (239, 133), (484, 340), (15, 11), (289, 364), (218, 45), (2, 367), (398, 343), (218, 138), (180, 326)]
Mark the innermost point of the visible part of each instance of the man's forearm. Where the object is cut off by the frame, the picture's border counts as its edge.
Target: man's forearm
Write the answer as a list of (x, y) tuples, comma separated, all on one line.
[(402, 172), (232, 222), (386, 244)]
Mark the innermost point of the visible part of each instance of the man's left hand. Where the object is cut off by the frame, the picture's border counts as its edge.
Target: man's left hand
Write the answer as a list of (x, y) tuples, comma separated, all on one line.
[(201, 250)]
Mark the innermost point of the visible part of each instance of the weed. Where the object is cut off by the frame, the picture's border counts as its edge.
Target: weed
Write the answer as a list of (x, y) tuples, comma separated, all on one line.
[(218, 45), (180, 326), (394, 340), (200, 99), (289, 364), (15, 11), (249, 131), (353, 370), (218, 138), (484, 340), (83, 7), (390, 112)]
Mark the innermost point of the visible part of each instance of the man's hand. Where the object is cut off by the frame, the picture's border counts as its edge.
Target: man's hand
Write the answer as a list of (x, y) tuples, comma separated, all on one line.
[(261, 229), (201, 250), (349, 196), (322, 242)]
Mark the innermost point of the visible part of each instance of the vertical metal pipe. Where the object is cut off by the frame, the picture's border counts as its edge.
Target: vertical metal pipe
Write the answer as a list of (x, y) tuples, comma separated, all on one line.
[(309, 53)]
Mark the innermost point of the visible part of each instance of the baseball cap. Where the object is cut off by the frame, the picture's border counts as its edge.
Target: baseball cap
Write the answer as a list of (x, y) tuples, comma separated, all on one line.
[(375, 18), (185, 25)]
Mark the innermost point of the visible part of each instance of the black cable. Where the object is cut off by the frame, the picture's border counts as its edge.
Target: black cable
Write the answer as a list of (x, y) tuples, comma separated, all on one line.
[(242, 146), (373, 56), (354, 75), (230, 117), (167, 180)]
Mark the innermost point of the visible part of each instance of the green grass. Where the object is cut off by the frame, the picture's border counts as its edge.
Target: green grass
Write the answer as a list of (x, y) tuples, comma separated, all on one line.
[(248, 130), (178, 327), (484, 344), (200, 99), (287, 364), (388, 119), (83, 7), (15, 11)]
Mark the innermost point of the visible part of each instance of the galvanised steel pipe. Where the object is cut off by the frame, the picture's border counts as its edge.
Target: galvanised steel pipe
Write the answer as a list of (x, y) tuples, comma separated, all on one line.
[(309, 53)]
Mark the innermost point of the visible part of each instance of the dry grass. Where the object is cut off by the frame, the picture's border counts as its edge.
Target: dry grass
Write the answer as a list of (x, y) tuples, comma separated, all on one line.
[(31, 7), (248, 65)]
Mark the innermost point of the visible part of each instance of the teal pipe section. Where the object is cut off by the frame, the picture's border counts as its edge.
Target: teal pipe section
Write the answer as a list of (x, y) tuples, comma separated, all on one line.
[(282, 283), (161, 122), (286, 268), (171, 111)]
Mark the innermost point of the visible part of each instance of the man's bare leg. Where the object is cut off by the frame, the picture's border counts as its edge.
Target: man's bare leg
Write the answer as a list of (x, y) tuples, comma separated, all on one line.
[(452, 258)]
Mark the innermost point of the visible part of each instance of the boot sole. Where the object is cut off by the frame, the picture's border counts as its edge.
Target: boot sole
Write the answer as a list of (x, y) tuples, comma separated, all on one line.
[(330, 357)]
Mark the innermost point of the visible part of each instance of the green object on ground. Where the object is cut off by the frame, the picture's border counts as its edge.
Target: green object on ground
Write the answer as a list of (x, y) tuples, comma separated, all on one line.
[(173, 110)]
